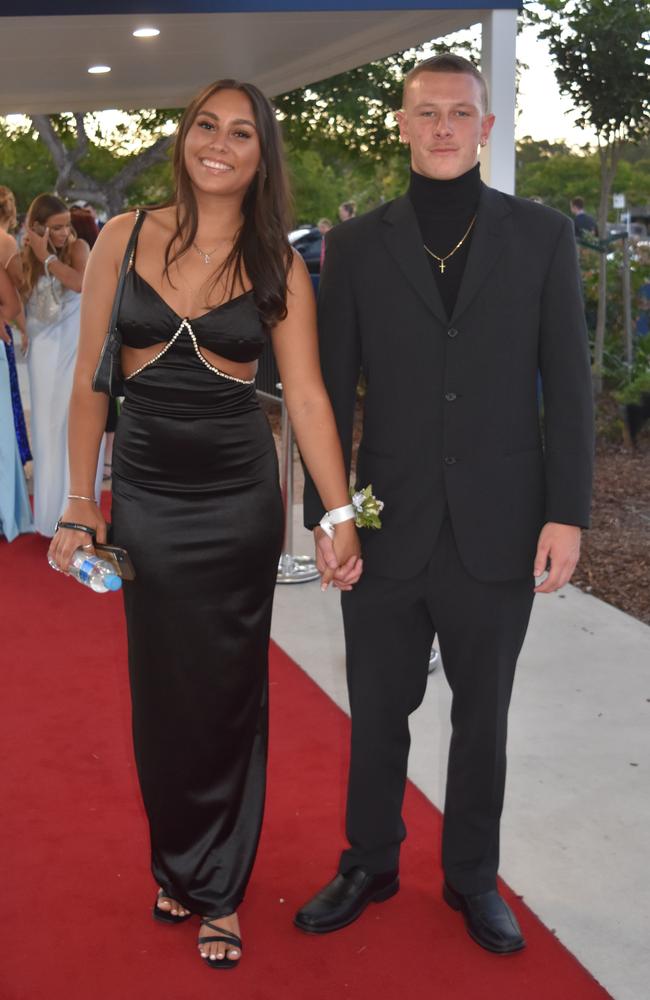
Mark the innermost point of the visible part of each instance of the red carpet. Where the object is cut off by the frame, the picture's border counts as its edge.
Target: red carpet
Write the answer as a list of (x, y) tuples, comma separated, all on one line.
[(76, 892)]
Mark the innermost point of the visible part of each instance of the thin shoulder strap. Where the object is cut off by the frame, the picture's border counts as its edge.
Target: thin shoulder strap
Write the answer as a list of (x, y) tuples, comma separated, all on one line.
[(132, 245), (127, 262)]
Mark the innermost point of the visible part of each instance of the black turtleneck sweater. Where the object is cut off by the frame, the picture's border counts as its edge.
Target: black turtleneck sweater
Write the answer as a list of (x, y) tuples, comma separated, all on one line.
[(444, 210)]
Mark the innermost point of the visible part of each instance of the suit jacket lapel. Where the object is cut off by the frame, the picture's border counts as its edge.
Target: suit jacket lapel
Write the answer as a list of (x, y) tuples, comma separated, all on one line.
[(491, 233), (402, 236)]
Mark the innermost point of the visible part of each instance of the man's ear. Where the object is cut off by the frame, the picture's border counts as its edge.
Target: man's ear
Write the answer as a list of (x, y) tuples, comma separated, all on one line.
[(486, 128), (402, 122)]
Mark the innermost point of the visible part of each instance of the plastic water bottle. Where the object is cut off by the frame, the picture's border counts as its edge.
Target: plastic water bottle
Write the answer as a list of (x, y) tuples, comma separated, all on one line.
[(93, 572)]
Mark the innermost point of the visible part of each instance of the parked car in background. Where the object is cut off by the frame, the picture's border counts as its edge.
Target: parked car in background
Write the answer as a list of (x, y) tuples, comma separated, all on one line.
[(307, 241)]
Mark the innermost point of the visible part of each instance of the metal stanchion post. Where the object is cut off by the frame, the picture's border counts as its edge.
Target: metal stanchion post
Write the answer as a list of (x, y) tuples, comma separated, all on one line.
[(291, 569)]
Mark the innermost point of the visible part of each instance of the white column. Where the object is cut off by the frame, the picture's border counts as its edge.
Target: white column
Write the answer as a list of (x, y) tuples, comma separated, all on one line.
[(498, 63)]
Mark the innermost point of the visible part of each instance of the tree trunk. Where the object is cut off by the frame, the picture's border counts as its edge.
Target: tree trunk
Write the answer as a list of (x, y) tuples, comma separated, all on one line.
[(74, 185), (608, 159), (627, 306)]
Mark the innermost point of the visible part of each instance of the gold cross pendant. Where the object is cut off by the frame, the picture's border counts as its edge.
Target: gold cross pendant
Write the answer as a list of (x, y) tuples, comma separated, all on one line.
[(442, 267)]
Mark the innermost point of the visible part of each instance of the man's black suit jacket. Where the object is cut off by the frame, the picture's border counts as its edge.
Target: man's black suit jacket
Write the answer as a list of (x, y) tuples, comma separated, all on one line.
[(452, 418)]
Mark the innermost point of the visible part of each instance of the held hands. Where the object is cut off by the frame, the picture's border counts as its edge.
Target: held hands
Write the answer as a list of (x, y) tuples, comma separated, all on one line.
[(338, 560), (66, 541), (559, 545)]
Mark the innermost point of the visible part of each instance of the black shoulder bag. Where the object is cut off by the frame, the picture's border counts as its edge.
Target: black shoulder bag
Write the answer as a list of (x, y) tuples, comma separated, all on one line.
[(108, 376)]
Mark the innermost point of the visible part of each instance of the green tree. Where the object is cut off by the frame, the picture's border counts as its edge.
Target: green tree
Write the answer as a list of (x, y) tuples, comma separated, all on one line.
[(106, 169), (348, 118), (531, 150), (27, 167), (601, 49), (316, 187), (558, 177), (67, 139)]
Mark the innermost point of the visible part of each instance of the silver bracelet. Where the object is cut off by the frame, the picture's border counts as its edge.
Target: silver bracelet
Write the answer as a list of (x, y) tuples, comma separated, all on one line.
[(75, 496), (336, 516), (46, 263)]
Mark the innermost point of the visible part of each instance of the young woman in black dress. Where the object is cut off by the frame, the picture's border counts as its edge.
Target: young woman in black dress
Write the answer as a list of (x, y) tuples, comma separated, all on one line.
[(196, 498)]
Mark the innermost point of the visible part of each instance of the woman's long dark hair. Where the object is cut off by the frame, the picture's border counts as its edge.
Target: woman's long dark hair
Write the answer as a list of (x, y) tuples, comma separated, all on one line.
[(261, 245)]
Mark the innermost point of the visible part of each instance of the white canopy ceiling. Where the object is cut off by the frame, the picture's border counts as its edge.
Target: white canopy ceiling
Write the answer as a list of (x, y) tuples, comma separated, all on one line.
[(45, 59)]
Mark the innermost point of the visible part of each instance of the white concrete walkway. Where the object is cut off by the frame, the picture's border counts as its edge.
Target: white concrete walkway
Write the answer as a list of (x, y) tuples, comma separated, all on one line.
[(576, 827)]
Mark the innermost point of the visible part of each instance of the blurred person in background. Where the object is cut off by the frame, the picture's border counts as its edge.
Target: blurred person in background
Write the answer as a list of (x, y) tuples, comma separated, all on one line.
[(84, 223), (347, 210), (582, 221), (10, 260), (15, 512), (324, 226), (54, 261)]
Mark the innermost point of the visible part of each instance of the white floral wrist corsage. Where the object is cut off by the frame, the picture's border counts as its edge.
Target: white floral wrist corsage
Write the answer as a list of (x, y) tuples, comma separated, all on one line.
[(367, 508)]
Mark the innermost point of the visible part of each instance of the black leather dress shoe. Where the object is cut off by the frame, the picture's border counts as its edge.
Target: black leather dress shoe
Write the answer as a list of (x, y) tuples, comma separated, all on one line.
[(344, 899), (489, 919)]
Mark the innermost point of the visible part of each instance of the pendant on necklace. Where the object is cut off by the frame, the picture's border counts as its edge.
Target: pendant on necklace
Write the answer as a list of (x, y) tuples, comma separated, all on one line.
[(442, 267), (207, 257)]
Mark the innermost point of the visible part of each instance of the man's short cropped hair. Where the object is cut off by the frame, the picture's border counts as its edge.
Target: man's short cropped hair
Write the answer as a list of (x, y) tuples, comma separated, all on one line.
[(448, 63), (578, 203)]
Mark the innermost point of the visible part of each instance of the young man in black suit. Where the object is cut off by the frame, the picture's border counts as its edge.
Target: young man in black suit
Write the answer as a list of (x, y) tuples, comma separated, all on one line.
[(450, 299)]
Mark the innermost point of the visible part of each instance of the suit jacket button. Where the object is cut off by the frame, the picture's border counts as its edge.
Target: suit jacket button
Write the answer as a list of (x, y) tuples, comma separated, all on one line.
[(450, 396), (452, 332), (450, 460)]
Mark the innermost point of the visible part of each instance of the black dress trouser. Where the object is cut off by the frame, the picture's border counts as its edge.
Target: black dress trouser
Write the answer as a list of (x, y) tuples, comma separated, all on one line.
[(389, 628)]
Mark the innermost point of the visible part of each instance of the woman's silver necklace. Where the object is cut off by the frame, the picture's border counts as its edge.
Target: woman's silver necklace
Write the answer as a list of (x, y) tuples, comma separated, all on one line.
[(207, 255)]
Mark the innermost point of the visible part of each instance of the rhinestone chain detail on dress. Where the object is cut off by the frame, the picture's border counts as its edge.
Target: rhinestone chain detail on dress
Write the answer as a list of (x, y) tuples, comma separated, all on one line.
[(185, 325)]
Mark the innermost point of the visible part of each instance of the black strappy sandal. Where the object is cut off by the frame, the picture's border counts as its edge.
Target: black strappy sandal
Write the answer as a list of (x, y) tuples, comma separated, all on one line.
[(228, 938), (166, 916)]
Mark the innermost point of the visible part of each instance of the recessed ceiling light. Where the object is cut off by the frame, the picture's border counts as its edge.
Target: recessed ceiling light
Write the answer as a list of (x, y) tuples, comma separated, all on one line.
[(99, 69), (146, 32)]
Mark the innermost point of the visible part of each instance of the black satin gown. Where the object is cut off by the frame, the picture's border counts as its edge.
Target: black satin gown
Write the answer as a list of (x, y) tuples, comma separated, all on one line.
[(196, 501)]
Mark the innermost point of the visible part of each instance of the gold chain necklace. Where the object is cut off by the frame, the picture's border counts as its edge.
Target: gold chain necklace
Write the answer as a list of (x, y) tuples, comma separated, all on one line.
[(441, 260)]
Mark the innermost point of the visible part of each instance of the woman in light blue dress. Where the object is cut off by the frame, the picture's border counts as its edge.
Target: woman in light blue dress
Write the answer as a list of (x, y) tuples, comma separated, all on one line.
[(53, 266), (15, 513), (11, 262)]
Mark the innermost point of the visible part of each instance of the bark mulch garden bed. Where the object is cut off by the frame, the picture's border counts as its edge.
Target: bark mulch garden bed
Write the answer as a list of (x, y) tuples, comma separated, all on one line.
[(615, 561)]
